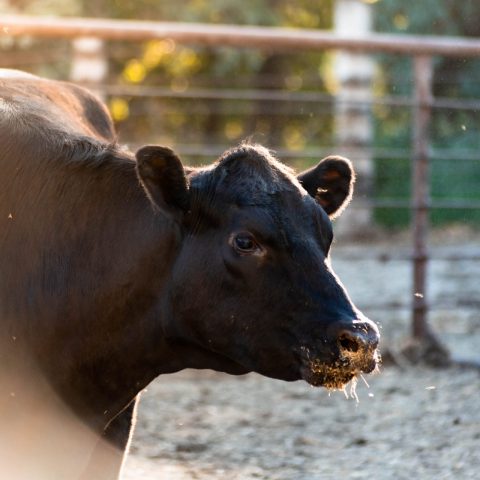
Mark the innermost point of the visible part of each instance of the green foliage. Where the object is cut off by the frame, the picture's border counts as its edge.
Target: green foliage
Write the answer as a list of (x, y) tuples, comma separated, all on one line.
[(455, 131), (301, 13)]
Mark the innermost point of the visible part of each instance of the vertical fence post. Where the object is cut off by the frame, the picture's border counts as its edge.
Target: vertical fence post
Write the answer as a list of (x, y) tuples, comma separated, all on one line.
[(89, 63), (432, 350), (422, 69), (353, 128)]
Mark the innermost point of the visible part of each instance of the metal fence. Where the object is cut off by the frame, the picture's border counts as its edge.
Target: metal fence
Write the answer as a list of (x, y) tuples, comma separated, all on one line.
[(421, 49)]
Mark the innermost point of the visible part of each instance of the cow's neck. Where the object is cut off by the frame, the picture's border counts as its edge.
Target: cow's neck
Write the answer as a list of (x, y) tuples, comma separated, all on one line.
[(106, 266)]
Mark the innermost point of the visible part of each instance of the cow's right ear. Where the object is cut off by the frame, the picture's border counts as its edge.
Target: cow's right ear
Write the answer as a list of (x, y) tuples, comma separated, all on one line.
[(330, 183), (162, 175)]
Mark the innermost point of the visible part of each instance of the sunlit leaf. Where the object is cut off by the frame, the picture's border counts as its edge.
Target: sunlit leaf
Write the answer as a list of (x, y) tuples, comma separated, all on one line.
[(134, 71), (155, 51), (119, 109), (293, 138), (233, 129)]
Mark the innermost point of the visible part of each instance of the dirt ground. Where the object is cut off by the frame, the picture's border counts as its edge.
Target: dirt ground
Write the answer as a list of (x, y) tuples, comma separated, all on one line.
[(411, 423)]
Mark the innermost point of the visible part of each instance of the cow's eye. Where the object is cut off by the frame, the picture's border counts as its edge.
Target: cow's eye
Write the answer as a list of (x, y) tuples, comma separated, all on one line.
[(245, 242)]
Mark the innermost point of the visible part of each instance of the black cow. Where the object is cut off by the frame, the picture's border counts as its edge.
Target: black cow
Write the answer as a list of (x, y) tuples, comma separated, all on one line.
[(116, 269)]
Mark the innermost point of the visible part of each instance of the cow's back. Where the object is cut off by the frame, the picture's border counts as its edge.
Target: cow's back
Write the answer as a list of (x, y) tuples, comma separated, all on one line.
[(60, 105)]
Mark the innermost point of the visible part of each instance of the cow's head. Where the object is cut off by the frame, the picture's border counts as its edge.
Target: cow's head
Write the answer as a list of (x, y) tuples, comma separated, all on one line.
[(252, 287)]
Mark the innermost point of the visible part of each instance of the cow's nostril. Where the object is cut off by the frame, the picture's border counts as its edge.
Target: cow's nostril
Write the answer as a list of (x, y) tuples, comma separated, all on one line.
[(349, 342)]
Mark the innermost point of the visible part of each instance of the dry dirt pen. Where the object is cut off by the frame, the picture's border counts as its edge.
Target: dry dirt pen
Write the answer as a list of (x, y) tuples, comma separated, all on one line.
[(411, 423)]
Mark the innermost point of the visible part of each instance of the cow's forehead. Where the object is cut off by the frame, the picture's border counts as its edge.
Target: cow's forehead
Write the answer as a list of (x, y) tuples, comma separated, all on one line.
[(251, 175)]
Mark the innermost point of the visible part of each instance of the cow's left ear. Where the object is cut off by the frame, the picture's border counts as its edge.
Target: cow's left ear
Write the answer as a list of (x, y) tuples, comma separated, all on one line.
[(330, 183), (162, 175)]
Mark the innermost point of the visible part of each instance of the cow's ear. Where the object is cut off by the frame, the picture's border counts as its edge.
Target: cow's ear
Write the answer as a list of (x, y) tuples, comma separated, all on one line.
[(162, 175), (330, 183)]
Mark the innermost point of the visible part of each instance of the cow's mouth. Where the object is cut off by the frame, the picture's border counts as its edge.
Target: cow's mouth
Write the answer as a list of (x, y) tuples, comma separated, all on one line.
[(336, 375), (332, 378)]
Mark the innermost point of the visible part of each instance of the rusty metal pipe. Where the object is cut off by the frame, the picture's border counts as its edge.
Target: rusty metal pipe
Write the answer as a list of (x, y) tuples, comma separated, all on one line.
[(269, 38)]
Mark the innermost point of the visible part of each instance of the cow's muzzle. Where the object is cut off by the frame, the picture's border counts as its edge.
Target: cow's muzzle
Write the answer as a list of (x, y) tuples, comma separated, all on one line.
[(357, 345), (355, 350)]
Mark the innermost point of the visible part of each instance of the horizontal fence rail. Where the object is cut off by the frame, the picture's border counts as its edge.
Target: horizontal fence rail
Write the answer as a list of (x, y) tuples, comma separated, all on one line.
[(271, 38), (262, 95)]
